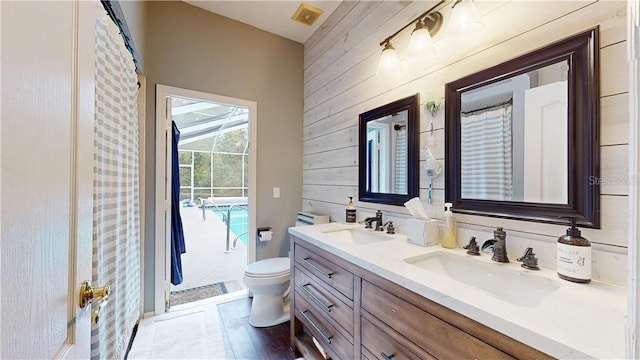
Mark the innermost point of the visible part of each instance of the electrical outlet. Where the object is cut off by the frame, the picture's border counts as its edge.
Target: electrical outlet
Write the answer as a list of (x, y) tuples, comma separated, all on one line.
[(276, 192)]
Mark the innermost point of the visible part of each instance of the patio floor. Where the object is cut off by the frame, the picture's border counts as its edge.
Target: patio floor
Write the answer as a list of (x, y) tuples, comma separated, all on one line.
[(205, 261)]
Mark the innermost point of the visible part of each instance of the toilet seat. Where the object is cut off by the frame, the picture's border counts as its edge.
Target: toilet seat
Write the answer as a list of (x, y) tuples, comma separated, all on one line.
[(268, 268)]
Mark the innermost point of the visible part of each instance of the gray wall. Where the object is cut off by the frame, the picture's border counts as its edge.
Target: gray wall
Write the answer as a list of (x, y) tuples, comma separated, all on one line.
[(191, 48)]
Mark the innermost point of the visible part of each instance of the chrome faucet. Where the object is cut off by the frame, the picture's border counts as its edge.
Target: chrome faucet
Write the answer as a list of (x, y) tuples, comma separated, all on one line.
[(377, 219), (500, 247)]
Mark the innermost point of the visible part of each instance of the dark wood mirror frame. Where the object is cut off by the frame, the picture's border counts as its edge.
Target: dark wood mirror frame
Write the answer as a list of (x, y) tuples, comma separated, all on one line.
[(411, 104), (582, 53)]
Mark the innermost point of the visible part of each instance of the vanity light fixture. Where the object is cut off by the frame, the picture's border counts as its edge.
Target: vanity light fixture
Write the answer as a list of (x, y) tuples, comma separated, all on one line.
[(389, 58), (421, 41), (465, 18), (427, 25)]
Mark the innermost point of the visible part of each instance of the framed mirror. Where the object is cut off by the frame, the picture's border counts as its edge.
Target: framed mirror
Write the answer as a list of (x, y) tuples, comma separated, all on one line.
[(388, 152), (522, 136)]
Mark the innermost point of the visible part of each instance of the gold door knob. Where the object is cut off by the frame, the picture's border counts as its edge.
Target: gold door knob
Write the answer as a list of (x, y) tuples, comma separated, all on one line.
[(95, 316), (88, 294)]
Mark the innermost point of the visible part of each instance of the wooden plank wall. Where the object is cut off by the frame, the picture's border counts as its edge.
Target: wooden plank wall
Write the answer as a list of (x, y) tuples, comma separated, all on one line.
[(341, 82)]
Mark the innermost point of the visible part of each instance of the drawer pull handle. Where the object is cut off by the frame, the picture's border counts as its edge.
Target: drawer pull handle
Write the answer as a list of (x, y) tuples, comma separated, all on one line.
[(326, 307), (387, 357), (326, 338), (324, 272)]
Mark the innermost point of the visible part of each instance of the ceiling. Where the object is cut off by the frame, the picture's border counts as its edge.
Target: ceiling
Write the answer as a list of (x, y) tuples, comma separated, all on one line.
[(271, 16)]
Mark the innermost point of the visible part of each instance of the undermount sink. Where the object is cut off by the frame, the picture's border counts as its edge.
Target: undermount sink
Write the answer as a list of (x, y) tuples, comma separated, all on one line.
[(359, 236), (518, 287)]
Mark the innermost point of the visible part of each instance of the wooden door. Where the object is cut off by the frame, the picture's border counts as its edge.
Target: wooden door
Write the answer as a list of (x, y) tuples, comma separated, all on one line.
[(546, 128), (46, 176)]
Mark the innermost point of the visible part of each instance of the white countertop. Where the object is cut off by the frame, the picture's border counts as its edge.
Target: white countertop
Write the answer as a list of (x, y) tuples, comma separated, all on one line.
[(576, 321)]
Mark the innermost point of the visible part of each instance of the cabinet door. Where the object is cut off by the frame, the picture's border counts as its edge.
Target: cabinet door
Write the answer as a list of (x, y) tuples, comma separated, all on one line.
[(432, 334), (323, 329), (324, 300), (387, 344), (326, 270)]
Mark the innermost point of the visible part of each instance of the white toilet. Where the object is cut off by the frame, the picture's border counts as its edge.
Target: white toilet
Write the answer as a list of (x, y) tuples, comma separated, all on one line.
[(268, 280)]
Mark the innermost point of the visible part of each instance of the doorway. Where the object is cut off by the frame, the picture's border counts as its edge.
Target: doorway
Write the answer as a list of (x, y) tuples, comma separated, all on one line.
[(217, 182)]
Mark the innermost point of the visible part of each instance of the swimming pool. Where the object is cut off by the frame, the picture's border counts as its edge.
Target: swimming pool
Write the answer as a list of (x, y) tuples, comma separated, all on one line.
[(239, 223)]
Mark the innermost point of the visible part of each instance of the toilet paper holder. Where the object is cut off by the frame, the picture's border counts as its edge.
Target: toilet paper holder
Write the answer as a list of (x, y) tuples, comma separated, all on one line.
[(264, 233)]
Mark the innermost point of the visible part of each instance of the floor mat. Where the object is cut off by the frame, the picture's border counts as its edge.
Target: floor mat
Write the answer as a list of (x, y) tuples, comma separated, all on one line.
[(203, 292)]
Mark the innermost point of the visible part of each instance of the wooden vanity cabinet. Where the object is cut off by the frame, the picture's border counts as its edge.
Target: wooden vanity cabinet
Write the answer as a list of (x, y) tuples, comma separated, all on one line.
[(356, 314)]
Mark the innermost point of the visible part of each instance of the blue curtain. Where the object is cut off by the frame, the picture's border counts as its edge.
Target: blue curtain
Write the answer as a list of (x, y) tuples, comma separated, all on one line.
[(177, 235)]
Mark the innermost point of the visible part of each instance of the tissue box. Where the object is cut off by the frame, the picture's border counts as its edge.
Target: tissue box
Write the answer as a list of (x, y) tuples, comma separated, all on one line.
[(422, 232)]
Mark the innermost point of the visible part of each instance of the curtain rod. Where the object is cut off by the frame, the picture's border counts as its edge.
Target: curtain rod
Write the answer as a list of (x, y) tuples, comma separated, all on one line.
[(113, 9), (494, 106)]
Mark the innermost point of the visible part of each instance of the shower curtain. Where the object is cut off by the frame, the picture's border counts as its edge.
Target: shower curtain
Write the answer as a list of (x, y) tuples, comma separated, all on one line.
[(486, 154), (116, 218), (400, 162)]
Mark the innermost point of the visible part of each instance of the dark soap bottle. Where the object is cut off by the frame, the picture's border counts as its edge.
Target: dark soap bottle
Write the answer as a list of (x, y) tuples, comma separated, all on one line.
[(351, 211), (574, 256)]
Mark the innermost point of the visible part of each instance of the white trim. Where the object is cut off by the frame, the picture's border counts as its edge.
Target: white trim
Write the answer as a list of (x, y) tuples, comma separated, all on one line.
[(159, 202), (148, 315), (142, 116), (162, 241), (633, 53)]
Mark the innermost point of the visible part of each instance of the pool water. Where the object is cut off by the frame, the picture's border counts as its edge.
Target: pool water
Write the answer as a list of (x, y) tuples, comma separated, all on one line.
[(239, 223)]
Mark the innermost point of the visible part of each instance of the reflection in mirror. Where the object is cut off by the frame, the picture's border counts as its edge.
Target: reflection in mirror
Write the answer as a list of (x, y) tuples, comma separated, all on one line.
[(522, 136), (388, 152), (507, 124)]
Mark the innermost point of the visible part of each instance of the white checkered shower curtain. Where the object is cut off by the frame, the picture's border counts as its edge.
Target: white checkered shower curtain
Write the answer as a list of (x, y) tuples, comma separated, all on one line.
[(486, 154), (116, 218)]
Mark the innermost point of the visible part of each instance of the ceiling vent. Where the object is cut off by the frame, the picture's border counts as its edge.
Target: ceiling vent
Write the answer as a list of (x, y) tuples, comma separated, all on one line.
[(306, 14)]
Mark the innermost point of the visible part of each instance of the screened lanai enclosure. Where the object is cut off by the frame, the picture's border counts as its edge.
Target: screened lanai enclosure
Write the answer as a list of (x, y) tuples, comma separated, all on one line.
[(213, 149), (214, 163)]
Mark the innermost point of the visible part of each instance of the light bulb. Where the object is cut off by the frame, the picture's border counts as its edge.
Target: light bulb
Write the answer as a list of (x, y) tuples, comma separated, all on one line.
[(465, 18), (421, 39), (388, 59)]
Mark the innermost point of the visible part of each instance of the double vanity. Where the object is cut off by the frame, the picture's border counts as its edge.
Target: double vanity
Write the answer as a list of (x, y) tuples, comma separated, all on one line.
[(364, 294)]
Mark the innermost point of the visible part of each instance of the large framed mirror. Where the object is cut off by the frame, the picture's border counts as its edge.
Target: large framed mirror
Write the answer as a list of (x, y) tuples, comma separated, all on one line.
[(522, 136), (388, 152)]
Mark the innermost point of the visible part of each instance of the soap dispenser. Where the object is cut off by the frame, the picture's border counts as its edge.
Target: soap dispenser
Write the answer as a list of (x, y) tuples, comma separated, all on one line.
[(448, 233), (351, 211), (574, 256)]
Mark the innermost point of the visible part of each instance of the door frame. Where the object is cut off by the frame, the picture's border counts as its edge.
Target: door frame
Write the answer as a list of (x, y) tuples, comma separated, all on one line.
[(163, 177), (633, 251)]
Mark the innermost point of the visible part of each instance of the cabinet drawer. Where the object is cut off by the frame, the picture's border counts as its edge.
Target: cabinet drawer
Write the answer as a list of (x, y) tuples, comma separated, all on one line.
[(381, 345), (435, 336), (332, 340), (326, 270), (323, 300), (366, 354)]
